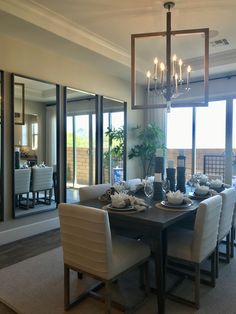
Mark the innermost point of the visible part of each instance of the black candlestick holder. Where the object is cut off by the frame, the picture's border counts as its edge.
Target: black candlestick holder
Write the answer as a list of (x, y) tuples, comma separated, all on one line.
[(158, 194), (170, 175), (181, 179)]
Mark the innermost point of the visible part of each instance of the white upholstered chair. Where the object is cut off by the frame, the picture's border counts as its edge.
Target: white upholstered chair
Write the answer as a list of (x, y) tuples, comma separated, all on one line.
[(226, 218), (42, 181), (93, 191), (88, 247), (194, 246), (22, 186)]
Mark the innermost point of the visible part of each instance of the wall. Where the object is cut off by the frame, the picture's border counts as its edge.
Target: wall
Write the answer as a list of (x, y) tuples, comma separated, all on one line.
[(25, 59)]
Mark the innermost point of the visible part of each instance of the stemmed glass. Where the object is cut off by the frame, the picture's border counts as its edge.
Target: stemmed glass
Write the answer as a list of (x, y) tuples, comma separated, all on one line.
[(148, 188), (191, 181), (165, 186)]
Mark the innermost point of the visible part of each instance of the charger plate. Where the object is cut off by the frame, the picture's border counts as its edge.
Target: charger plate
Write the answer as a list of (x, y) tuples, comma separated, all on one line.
[(186, 206), (124, 209)]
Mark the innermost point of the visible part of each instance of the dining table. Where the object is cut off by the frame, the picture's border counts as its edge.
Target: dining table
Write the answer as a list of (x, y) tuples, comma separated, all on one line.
[(153, 224)]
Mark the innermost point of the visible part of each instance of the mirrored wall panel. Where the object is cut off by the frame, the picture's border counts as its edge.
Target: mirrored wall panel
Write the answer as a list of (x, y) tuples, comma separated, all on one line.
[(1, 146), (81, 141), (35, 146), (114, 140)]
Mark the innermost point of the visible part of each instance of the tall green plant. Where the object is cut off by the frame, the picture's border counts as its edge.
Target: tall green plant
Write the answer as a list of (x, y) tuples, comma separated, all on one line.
[(116, 143), (150, 139)]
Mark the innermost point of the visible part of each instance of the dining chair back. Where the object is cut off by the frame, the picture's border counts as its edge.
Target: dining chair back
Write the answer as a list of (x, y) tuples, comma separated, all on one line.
[(194, 246), (22, 186), (93, 191), (226, 220), (42, 181), (89, 247)]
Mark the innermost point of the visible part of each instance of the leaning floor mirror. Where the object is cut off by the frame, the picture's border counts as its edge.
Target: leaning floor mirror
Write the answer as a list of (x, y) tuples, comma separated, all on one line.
[(35, 146), (1, 147)]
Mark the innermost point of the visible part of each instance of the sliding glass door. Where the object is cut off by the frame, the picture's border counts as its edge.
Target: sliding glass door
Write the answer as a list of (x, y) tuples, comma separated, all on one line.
[(80, 149), (114, 139)]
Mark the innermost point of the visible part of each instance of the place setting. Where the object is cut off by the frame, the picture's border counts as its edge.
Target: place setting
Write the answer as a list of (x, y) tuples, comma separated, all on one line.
[(122, 202), (175, 201)]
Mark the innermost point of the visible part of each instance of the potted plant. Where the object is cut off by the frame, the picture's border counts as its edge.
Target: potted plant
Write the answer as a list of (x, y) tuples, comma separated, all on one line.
[(150, 139)]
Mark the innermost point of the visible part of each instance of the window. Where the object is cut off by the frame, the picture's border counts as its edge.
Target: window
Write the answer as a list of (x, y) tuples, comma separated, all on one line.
[(179, 135), (34, 136)]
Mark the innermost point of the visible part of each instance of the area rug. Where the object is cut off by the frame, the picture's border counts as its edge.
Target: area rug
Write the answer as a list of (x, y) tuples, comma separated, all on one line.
[(35, 286)]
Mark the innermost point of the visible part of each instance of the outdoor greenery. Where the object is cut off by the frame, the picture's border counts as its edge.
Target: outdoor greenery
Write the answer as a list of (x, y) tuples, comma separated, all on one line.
[(150, 139), (116, 144)]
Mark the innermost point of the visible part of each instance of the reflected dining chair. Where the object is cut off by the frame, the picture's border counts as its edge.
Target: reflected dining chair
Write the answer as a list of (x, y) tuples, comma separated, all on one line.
[(195, 246), (93, 191), (226, 219), (42, 181), (22, 186), (89, 247)]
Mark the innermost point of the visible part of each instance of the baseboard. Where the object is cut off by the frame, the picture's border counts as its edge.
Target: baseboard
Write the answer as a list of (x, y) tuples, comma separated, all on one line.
[(21, 232)]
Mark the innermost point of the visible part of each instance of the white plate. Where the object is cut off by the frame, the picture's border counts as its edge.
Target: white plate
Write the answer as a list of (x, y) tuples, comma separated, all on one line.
[(186, 204), (124, 209)]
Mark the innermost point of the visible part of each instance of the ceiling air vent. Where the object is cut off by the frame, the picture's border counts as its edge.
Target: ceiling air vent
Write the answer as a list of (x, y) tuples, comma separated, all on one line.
[(220, 42)]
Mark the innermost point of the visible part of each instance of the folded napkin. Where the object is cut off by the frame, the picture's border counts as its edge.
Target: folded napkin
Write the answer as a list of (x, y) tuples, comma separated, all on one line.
[(122, 200)]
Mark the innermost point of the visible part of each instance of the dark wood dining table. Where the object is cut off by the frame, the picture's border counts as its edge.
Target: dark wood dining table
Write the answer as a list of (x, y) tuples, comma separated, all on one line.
[(153, 223)]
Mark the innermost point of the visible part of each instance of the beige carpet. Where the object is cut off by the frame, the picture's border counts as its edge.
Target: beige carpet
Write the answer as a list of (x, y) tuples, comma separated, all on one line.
[(35, 286)]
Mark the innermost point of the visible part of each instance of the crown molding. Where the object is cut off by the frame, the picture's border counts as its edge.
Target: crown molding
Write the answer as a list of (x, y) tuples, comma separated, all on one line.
[(41, 17)]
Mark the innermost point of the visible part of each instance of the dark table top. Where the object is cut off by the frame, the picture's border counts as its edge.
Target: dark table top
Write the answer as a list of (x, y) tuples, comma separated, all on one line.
[(153, 216)]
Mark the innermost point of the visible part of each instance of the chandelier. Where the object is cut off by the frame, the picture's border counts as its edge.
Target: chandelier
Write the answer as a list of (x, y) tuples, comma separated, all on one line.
[(164, 80)]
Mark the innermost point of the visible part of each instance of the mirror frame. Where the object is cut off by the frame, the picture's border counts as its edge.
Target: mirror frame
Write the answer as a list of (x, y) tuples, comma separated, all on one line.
[(2, 148), (13, 144)]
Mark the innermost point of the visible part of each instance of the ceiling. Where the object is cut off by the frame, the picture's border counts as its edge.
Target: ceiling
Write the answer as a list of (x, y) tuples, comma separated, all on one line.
[(100, 30)]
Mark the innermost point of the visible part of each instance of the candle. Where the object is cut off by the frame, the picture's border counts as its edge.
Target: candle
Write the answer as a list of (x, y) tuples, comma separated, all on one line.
[(173, 64), (176, 83), (148, 74), (170, 163), (188, 76), (180, 69), (162, 67), (155, 68), (181, 152), (157, 177)]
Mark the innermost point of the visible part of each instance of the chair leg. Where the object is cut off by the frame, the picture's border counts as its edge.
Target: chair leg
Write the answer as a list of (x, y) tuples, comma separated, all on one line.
[(107, 297), (66, 287), (228, 248), (217, 260), (197, 285), (232, 236), (213, 268)]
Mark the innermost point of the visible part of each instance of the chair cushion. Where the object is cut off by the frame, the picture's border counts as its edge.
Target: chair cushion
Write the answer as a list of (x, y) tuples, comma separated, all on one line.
[(126, 252), (180, 243)]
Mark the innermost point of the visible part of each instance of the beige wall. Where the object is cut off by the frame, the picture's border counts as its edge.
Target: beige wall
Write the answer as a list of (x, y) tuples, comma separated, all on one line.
[(25, 59)]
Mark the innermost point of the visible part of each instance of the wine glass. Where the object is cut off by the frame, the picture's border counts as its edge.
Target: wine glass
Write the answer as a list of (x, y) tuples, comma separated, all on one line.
[(148, 188), (191, 181), (166, 186)]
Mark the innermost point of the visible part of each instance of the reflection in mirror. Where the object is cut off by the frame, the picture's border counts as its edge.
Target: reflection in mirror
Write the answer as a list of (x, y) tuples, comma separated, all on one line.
[(80, 150), (35, 139), (113, 140), (1, 146)]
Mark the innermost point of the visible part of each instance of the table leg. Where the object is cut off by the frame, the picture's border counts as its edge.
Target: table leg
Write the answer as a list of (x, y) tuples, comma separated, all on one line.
[(160, 251)]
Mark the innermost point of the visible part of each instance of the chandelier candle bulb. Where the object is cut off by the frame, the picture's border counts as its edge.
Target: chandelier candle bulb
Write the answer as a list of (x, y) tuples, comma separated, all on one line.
[(180, 70), (188, 76), (148, 80), (155, 68), (176, 83), (162, 67), (174, 65)]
